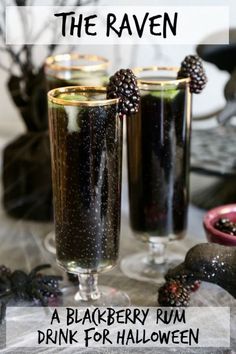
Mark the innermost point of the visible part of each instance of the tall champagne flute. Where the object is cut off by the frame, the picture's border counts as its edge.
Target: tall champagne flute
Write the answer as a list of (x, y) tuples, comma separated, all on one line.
[(158, 139), (73, 69), (76, 69), (86, 149)]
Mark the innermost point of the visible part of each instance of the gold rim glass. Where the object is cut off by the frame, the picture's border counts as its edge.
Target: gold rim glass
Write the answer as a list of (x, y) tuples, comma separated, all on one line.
[(76, 62), (154, 77), (76, 69), (86, 148), (88, 96), (158, 141)]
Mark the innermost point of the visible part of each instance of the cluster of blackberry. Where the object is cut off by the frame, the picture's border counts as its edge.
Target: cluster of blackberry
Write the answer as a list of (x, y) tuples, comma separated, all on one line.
[(50, 290), (176, 292), (123, 85), (192, 67), (227, 226)]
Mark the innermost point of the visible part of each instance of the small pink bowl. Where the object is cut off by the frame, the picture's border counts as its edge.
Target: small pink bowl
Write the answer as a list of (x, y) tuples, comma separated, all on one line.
[(210, 218)]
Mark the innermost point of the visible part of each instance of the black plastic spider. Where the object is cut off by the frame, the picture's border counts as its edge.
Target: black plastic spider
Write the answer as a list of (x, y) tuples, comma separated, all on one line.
[(33, 287)]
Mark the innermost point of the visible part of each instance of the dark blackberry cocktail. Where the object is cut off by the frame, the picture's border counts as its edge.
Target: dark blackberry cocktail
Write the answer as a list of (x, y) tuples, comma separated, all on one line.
[(86, 141), (158, 154), (158, 163)]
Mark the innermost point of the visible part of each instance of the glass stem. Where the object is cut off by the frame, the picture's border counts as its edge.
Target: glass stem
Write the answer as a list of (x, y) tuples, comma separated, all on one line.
[(88, 287), (157, 252)]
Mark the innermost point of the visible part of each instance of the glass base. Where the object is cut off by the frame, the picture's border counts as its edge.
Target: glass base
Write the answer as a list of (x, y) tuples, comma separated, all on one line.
[(139, 266), (50, 243), (108, 297)]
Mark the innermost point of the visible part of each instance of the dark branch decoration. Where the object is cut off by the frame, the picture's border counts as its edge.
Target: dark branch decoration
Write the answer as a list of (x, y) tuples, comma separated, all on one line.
[(26, 161), (27, 87)]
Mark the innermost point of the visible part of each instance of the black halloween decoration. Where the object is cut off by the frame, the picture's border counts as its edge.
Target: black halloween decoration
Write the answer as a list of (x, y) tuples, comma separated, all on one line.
[(34, 287), (26, 161), (209, 262)]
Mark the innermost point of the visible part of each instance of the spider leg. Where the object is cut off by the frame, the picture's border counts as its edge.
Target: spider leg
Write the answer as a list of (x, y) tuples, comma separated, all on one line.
[(3, 304), (3, 308), (38, 268), (53, 277)]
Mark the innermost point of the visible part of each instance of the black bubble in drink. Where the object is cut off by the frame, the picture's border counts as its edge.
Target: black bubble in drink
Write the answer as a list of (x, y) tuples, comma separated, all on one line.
[(86, 153), (158, 163)]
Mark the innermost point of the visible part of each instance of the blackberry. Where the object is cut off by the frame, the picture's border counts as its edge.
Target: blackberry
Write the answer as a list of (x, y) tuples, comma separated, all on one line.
[(227, 226), (192, 67), (173, 294), (189, 281), (123, 85), (49, 290), (194, 286)]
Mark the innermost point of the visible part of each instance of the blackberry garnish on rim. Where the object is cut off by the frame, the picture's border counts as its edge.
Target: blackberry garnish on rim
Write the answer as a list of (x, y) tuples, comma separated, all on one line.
[(192, 67), (123, 85)]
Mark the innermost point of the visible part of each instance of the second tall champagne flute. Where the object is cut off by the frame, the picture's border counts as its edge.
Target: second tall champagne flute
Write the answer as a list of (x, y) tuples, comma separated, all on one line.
[(158, 140), (76, 69), (68, 70), (86, 145)]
